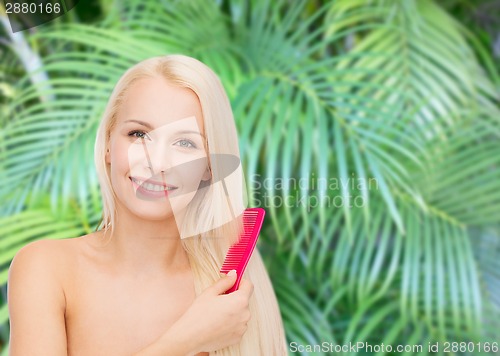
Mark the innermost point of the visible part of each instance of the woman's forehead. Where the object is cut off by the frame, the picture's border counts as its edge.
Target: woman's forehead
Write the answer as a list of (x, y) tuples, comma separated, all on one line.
[(157, 103)]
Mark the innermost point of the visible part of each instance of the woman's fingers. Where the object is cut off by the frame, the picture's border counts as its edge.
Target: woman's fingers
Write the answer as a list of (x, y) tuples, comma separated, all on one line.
[(223, 284), (246, 287)]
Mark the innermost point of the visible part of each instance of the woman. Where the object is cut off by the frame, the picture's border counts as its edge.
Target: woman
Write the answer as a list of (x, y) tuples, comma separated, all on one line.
[(147, 281)]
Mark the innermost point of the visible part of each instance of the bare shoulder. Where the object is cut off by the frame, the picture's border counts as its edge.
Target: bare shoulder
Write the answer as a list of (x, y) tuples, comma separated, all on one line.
[(48, 257), (36, 295), (47, 261), (45, 264), (53, 259), (52, 252), (36, 299), (46, 248)]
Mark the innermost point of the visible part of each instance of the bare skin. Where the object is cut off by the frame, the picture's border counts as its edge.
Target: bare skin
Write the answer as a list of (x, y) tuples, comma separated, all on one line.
[(134, 295), (77, 304), (112, 312)]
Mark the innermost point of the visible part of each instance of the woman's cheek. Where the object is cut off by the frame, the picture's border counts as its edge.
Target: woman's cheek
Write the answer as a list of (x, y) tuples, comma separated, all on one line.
[(119, 154), (135, 158), (192, 169)]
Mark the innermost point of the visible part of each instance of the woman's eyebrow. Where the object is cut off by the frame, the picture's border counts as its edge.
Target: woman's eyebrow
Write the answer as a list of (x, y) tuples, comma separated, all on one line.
[(143, 123), (183, 132)]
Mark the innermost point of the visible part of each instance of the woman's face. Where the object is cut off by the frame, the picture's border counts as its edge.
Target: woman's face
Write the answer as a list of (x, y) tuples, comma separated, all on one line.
[(156, 153)]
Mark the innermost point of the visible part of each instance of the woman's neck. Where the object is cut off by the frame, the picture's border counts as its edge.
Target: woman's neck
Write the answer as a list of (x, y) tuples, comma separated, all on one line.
[(144, 247)]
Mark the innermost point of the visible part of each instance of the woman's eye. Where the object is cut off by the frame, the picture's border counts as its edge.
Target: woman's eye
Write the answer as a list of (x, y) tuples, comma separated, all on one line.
[(138, 134), (185, 144)]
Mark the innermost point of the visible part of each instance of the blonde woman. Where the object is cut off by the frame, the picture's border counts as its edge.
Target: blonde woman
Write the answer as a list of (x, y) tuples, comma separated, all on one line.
[(147, 281)]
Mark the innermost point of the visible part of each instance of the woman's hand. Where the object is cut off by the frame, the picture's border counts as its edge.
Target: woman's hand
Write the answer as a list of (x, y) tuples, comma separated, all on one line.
[(214, 320)]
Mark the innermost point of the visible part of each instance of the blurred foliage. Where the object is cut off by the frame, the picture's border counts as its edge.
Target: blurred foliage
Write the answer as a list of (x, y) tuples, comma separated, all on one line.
[(403, 92)]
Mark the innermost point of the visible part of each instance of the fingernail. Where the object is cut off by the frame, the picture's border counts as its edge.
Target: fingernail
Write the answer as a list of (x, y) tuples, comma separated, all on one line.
[(232, 273)]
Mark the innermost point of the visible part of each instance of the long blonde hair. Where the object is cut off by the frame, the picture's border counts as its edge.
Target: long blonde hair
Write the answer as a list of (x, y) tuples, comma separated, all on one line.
[(206, 219)]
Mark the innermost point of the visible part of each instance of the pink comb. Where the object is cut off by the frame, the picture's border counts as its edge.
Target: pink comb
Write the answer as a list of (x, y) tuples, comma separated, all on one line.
[(239, 254)]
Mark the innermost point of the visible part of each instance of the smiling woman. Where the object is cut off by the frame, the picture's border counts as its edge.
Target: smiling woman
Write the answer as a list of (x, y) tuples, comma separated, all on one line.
[(147, 281), (162, 155)]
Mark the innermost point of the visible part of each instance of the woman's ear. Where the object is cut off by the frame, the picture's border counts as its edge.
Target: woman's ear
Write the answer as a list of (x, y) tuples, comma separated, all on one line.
[(207, 175), (107, 157)]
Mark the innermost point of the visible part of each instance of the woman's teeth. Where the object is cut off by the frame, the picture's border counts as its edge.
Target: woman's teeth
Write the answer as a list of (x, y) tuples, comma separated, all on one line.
[(151, 187)]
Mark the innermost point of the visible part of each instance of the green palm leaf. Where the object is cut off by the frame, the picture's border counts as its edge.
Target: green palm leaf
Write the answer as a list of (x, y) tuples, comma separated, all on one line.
[(385, 90)]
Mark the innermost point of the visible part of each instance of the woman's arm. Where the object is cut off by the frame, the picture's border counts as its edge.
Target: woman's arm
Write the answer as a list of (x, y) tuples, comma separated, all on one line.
[(36, 303), (37, 306), (214, 321)]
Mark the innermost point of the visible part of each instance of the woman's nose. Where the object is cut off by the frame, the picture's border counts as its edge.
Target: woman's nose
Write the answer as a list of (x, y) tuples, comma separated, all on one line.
[(161, 159), (158, 157)]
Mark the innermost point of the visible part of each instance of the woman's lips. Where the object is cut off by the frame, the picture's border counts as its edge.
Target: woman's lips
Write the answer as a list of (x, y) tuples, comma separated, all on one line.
[(151, 189)]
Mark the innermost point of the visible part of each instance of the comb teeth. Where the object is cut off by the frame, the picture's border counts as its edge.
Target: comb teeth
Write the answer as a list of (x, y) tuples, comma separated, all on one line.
[(239, 254), (237, 251)]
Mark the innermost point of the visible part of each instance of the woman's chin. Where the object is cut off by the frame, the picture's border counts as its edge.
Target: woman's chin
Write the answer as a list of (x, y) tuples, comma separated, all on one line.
[(154, 210), (154, 217)]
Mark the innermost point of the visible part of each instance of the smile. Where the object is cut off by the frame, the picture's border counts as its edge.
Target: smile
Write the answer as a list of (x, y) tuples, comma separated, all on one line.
[(152, 187)]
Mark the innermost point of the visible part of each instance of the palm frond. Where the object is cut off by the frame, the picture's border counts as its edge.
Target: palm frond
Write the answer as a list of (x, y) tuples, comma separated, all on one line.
[(357, 92)]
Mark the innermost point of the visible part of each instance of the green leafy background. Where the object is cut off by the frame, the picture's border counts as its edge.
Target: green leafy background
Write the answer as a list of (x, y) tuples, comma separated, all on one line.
[(402, 93)]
